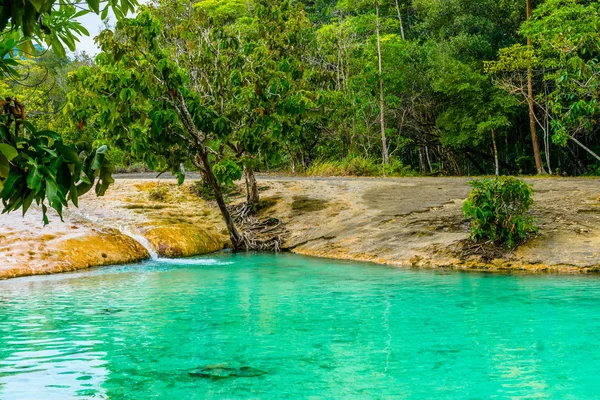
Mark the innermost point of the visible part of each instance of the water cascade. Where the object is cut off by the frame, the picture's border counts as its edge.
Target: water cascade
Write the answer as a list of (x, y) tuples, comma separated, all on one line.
[(141, 240)]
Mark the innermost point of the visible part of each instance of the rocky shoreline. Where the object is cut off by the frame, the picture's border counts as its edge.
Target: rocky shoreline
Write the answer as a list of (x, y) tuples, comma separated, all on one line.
[(408, 222)]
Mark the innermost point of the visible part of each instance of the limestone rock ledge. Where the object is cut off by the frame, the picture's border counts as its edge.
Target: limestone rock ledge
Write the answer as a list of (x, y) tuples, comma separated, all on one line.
[(64, 253), (115, 229), (183, 240)]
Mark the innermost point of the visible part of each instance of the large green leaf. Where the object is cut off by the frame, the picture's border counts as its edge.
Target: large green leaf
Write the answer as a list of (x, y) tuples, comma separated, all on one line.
[(4, 170), (8, 151)]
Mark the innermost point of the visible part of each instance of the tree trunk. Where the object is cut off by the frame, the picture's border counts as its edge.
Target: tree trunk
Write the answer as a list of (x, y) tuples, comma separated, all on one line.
[(252, 196), (585, 148), (340, 63), (234, 235), (495, 153), (202, 160), (474, 162), (422, 166), (534, 140), (428, 160), (400, 19), (384, 148), (547, 127), (579, 167)]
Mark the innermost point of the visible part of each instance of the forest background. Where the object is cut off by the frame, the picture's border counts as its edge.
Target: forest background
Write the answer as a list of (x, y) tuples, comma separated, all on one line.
[(323, 87)]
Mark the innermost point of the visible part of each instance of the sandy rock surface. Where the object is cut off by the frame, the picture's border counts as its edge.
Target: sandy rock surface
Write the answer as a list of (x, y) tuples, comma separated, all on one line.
[(418, 222), (399, 221)]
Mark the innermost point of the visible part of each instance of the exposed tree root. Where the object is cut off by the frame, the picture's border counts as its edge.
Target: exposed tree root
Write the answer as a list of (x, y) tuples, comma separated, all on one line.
[(258, 234), (488, 251)]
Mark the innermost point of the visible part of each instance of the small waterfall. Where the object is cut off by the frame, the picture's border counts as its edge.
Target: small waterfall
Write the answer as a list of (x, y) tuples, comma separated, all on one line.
[(141, 240), (124, 229)]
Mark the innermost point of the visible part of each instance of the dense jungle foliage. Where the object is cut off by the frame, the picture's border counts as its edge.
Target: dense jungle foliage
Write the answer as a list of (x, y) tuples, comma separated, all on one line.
[(363, 87)]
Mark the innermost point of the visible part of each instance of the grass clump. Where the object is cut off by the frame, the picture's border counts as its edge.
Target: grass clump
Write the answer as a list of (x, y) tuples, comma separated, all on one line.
[(498, 211), (159, 193), (359, 166)]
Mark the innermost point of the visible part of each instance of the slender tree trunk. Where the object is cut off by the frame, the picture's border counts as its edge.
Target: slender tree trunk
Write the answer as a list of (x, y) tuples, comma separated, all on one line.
[(400, 19), (579, 167), (340, 64), (384, 147), (252, 195), (534, 140), (495, 153), (585, 148), (209, 176), (547, 127), (428, 160), (422, 166), (234, 235), (474, 162)]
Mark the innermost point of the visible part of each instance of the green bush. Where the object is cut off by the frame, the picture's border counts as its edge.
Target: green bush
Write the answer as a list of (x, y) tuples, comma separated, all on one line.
[(498, 210), (396, 168), (594, 170), (359, 166)]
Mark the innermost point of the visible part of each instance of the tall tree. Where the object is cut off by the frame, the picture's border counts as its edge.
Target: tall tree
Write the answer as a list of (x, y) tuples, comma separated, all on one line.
[(142, 91), (531, 102), (384, 146), (185, 87)]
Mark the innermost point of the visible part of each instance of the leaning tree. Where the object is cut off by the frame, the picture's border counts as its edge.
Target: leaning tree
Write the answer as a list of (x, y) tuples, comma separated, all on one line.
[(172, 90)]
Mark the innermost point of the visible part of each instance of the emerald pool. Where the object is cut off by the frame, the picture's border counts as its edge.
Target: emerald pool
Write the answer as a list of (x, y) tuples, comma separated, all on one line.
[(286, 326)]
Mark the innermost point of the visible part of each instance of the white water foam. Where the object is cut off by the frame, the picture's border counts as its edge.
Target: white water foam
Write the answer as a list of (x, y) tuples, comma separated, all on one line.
[(141, 240), (187, 261), (178, 261)]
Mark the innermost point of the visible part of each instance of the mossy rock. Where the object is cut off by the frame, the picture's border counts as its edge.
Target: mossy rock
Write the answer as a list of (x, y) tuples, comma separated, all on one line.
[(307, 204), (183, 240), (96, 248)]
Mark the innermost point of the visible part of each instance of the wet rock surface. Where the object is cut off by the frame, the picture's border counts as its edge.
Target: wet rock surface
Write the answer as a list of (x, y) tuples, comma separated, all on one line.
[(110, 230)]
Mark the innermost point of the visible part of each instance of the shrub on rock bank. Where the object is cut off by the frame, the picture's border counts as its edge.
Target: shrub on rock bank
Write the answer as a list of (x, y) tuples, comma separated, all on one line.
[(498, 210), (359, 166)]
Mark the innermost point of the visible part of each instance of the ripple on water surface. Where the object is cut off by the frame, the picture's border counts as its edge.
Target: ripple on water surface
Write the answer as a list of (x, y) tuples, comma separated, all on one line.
[(289, 326)]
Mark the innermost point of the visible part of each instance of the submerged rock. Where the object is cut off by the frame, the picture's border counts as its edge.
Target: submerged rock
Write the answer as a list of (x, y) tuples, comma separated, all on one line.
[(220, 371)]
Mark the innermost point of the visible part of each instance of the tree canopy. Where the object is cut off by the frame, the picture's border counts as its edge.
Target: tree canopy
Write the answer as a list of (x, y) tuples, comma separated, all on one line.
[(36, 164)]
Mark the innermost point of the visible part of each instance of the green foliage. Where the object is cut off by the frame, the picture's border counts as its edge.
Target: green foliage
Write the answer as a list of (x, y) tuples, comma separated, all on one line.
[(498, 210), (38, 166), (206, 192), (594, 170), (227, 171), (52, 23), (159, 193), (567, 36), (359, 166), (35, 163)]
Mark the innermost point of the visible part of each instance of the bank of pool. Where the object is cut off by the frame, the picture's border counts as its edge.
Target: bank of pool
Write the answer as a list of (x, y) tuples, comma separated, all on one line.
[(287, 326)]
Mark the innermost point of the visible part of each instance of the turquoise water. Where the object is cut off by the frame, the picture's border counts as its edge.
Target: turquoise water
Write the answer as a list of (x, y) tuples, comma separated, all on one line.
[(285, 326)]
